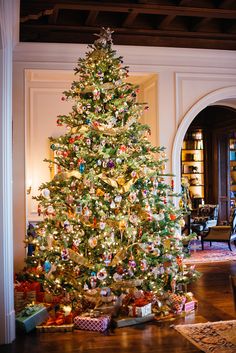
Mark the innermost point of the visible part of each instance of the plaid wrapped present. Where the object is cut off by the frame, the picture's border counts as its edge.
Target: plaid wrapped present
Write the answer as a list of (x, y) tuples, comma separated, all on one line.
[(89, 323), (25, 293), (177, 302)]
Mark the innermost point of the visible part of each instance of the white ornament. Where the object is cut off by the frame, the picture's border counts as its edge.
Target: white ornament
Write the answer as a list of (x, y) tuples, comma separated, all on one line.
[(118, 198), (46, 193), (112, 205)]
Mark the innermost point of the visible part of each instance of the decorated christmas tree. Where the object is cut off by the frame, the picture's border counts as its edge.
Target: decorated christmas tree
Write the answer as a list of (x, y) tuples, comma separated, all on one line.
[(109, 222)]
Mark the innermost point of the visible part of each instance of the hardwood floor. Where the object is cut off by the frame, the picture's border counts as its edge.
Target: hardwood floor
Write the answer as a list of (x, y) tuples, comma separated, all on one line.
[(215, 303)]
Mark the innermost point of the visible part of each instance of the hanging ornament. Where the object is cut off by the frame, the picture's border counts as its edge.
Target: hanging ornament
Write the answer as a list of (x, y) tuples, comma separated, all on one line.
[(118, 160), (86, 211), (107, 259), (39, 210), (143, 265), (88, 141), (110, 164), (132, 263), (144, 193), (46, 193), (96, 94), (100, 192), (118, 198), (122, 225), (50, 211), (133, 218), (104, 164), (81, 168), (93, 282), (59, 122), (79, 108), (117, 277), (158, 216), (71, 140), (47, 266), (112, 205), (65, 254), (76, 244), (99, 162), (132, 197), (182, 222), (102, 225), (102, 274), (92, 242), (39, 268), (172, 217)]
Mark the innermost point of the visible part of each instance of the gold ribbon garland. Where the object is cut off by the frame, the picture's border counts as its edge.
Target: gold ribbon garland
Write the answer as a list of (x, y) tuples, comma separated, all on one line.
[(115, 183)]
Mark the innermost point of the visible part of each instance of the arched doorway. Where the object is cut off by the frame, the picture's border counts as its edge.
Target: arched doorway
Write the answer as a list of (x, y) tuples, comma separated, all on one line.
[(225, 97)]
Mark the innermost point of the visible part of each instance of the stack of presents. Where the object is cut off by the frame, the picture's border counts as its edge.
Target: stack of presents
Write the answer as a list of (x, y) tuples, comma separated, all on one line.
[(46, 312)]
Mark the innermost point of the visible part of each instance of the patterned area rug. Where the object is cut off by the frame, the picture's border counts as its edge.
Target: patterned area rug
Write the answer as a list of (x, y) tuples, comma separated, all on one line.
[(218, 252), (211, 337)]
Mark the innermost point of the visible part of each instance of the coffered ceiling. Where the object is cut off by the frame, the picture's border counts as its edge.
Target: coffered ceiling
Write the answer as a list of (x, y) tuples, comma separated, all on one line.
[(209, 24)]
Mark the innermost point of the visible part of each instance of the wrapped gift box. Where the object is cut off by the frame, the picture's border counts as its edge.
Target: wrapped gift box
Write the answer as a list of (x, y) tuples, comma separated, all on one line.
[(177, 302), (55, 328), (92, 323), (31, 316), (140, 311), (130, 321), (25, 293), (189, 306)]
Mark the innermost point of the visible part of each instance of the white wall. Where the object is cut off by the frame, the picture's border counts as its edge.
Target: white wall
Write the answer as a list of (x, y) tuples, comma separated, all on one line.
[(186, 80), (8, 11)]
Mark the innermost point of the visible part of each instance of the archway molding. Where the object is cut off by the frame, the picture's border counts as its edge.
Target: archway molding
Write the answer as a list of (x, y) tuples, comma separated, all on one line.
[(212, 98)]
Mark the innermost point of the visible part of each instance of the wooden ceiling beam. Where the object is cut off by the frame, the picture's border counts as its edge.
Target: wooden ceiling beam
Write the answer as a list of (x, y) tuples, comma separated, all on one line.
[(199, 23), (130, 19), (131, 31), (52, 19), (149, 9), (166, 21), (91, 19), (129, 38)]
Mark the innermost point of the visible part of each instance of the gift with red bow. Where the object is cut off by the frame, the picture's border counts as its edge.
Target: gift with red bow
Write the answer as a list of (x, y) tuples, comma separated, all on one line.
[(25, 293)]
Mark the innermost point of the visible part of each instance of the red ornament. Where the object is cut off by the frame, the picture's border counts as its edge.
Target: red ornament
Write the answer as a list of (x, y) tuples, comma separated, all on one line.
[(172, 217), (39, 210), (123, 148), (71, 140), (78, 137), (95, 124), (59, 123)]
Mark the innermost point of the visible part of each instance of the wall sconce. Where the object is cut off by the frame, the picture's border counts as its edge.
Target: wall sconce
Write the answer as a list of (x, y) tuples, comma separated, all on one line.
[(28, 190), (29, 187)]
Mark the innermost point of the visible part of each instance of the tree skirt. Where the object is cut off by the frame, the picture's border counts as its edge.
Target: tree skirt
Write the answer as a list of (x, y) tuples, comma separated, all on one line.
[(211, 337), (218, 252)]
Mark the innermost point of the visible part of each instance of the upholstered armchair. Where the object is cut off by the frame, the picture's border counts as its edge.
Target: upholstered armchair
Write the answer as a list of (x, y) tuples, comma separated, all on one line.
[(221, 233), (207, 216)]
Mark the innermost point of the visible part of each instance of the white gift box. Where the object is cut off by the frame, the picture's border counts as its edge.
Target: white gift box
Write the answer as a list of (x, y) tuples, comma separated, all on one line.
[(140, 311)]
